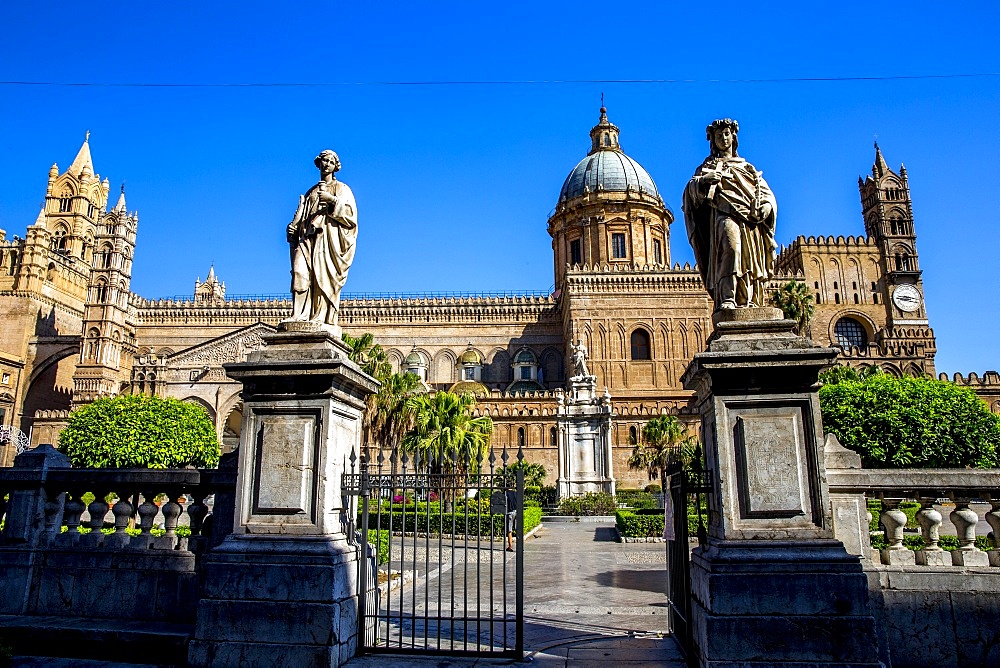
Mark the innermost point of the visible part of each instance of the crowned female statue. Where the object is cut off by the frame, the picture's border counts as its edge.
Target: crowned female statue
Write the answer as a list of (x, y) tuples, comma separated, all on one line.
[(730, 212)]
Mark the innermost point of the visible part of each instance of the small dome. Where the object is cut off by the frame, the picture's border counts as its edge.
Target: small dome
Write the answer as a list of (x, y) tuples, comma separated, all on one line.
[(525, 357), (469, 387), (414, 359), (470, 356)]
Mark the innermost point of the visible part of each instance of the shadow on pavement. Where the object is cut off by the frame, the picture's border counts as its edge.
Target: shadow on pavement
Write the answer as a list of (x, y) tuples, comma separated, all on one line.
[(604, 534), (638, 580)]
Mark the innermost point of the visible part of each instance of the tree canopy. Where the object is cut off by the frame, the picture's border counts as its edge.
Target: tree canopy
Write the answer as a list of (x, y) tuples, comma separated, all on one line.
[(909, 422), (445, 433), (796, 302), (135, 431), (663, 443)]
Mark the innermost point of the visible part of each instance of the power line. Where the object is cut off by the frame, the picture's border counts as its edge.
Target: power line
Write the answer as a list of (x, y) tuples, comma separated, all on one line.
[(500, 82)]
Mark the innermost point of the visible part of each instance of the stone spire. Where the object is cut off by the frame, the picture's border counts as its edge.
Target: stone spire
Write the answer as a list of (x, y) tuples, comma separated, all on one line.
[(880, 167), (604, 135), (83, 161), (120, 205)]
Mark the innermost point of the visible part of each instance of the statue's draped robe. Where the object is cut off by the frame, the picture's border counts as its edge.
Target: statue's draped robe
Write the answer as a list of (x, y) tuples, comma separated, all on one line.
[(738, 197), (322, 252)]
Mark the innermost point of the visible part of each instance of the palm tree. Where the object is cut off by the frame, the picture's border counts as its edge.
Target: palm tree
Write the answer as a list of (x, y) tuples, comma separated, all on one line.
[(392, 413), (386, 417), (447, 437), (368, 355), (796, 302), (664, 443)]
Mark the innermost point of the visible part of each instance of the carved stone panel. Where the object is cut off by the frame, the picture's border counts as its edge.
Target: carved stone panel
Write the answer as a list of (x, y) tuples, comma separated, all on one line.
[(286, 454), (770, 455)]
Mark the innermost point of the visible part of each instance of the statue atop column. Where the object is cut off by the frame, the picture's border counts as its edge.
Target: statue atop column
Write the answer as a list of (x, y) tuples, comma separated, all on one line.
[(322, 237), (730, 212), (579, 352)]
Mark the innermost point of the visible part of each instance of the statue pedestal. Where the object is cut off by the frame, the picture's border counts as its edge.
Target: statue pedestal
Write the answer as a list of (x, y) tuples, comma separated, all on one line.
[(281, 590), (584, 419), (773, 585)]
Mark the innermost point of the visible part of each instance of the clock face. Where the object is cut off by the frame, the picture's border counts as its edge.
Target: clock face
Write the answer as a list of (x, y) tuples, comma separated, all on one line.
[(906, 298)]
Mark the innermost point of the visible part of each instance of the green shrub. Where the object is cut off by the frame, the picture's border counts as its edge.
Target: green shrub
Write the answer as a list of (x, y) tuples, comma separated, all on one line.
[(654, 489), (639, 525), (636, 498), (911, 422), (134, 431), (909, 508), (916, 542), (591, 503), (473, 524), (380, 539)]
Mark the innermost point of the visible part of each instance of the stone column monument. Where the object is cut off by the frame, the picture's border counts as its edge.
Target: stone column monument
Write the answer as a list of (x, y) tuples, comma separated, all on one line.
[(584, 433), (282, 590), (773, 586)]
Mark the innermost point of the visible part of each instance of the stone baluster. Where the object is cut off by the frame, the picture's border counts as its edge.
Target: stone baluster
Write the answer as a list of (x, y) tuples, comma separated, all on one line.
[(98, 509), (930, 523), (171, 512), (122, 511), (147, 513), (993, 518), (197, 511), (894, 519), (54, 510), (965, 521), (74, 510)]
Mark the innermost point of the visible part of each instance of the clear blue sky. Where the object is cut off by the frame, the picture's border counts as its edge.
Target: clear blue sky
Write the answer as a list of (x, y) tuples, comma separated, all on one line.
[(455, 182)]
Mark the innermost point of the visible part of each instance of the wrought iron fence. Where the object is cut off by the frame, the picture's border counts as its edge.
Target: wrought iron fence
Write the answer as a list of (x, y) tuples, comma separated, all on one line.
[(442, 576)]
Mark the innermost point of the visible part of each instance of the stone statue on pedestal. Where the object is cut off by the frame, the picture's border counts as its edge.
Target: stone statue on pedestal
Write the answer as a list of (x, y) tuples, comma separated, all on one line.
[(322, 237), (579, 361), (730, 213)]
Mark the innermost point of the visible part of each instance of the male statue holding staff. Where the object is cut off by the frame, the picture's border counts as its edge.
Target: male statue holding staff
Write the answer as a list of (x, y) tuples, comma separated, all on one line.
[(322, 236), (730, 213)]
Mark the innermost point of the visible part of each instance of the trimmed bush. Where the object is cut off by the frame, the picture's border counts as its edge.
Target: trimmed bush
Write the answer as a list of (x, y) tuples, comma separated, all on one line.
[(636, 498), (916, 542), (591, 503), (380, 539), (654, 489), (134, 431), (639, 525), (911, 422), (459, 523)]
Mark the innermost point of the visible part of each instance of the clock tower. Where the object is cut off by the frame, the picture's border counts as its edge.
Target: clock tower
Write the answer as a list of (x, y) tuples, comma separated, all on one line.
[(888, 215)]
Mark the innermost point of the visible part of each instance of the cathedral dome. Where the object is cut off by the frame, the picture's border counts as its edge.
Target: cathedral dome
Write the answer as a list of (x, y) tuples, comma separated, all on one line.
[(606, 168)]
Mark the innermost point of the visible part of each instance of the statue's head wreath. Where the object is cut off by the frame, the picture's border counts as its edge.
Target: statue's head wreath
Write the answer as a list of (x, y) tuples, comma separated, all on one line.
[(331, 153), (723, 123)]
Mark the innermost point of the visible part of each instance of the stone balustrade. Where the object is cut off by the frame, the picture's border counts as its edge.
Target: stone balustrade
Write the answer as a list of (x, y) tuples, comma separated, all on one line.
[(930, 488), (59, 493)]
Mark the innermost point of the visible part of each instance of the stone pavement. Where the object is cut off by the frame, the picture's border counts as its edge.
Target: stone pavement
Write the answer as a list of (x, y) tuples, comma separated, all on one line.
[(588, 601)]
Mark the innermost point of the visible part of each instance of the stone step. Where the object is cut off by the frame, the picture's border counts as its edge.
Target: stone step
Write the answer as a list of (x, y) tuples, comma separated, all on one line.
[(47, 640)]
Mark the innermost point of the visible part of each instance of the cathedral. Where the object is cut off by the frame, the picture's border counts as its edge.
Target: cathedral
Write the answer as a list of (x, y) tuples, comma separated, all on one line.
[(75, 331)]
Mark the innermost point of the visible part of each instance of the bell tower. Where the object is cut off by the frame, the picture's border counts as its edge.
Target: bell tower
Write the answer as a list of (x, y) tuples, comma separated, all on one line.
[(108, 332), (888, 215)]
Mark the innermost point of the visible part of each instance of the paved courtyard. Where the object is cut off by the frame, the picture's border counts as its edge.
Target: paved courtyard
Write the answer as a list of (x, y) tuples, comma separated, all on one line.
[(588, 601)]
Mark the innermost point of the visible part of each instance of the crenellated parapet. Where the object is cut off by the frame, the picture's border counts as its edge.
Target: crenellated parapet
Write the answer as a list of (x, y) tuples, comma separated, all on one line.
[(990, 379), (613, 278)]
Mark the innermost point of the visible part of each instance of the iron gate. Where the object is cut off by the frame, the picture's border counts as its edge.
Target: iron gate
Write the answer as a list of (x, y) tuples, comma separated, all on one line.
[(686, 488), (439, 578)]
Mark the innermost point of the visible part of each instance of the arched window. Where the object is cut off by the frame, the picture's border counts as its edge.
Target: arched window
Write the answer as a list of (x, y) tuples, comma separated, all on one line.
[(520, 437), (640, 345), (633, 435), (850, 333), (552, 436), (101, 294), (58, 241), (91, 350)]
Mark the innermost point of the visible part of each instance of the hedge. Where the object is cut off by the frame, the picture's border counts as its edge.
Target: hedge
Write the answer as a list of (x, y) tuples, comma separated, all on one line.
[(639, 525), (380, 539), (916, 542), (450, 523), (909, 508)]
